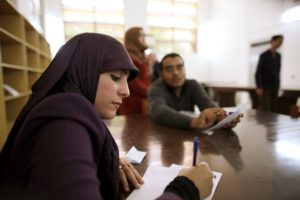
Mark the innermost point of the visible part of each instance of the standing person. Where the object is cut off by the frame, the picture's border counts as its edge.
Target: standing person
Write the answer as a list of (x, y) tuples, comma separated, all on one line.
[(267, 76), (136, 45), (59, 147), (173, 93)]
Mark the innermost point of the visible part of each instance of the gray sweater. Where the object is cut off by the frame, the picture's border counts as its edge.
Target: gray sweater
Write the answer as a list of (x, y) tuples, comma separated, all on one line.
[(164, 105)]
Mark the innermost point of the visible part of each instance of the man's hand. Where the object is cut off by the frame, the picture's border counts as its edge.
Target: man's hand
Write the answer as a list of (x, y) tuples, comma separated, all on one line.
[(129, 175), (259, 91), (208, 117), (234, 122)]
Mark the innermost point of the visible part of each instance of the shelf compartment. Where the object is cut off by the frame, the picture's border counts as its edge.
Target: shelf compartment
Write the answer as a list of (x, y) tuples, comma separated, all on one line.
[(16, 79), (32, 36), (13, 108), (24, 94), (13, 53), (3, 124), (7, 8), (44, 61), (32, 77), (33, 58), (14, 24), (44, 46), (6, 37)]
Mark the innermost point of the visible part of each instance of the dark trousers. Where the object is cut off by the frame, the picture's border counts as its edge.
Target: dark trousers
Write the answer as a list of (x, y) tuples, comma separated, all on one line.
[(269, 100)]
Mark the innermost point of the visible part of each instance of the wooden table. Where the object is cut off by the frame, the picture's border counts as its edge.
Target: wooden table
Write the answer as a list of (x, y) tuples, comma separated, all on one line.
[(259, 159)]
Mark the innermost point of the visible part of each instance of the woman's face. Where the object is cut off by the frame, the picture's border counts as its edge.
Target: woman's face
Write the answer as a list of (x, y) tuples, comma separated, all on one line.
[(112, 89), (142, 39)]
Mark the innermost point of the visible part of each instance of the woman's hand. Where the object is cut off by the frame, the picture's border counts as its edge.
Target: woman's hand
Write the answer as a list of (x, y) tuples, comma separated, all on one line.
[(202, 177), (129, 175)]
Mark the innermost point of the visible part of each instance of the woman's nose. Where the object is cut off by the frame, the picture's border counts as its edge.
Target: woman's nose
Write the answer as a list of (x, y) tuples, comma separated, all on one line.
[(124, 90)]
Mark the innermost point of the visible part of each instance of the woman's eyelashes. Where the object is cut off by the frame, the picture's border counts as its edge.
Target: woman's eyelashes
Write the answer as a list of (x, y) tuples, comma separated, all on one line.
[(115, 77)]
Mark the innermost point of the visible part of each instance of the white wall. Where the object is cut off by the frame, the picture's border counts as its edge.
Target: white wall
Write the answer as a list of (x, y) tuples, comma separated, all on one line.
[(54, 26), (222, 46), (291, 58), (135, 13)]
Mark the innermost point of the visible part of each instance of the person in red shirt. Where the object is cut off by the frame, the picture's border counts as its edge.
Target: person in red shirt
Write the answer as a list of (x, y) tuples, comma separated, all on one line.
[(136, 45)]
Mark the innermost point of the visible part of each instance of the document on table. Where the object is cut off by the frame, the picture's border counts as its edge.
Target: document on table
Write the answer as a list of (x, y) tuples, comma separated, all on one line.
[(227, 119), (157, 178), (135, 156)]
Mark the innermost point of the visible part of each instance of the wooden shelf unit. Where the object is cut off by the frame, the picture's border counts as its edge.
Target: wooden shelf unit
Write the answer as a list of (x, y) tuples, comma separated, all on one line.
[(24, 55)]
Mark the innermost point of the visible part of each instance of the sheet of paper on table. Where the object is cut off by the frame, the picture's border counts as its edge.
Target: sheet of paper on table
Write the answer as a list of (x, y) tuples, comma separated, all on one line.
[(157, 178), (135, 156)]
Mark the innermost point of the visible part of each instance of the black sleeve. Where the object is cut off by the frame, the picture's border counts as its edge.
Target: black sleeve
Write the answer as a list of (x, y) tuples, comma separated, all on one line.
[(259, 71), (183, 187)]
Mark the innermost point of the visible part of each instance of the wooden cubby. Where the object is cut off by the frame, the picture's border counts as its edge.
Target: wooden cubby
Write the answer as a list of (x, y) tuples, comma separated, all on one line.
[(33, 58), (32, 77), (24, 55)]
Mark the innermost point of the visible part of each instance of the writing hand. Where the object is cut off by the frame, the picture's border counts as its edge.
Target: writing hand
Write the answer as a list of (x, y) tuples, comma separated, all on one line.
[(202, 177)]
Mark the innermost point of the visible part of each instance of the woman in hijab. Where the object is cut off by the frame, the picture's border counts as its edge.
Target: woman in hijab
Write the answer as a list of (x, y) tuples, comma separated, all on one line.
[(136, 45), (59, 146)]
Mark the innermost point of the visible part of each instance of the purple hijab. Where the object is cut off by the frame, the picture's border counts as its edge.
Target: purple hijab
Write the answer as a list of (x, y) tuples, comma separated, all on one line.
[(75, 68)]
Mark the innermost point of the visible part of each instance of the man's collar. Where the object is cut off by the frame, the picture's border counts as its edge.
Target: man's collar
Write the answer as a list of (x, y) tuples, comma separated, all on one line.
[(172, 90)]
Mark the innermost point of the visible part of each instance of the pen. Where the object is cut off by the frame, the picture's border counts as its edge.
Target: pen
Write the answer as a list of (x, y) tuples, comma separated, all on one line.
[(196, 144)]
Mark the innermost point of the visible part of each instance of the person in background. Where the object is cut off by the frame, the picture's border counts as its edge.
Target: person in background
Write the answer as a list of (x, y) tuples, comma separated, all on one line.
[(267, 76), (60, 148), (174, 93), (154, 63), (136, 45)]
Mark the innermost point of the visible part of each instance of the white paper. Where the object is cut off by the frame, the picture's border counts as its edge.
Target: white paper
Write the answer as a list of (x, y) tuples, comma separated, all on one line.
[(227, 119), (12, 91), (217, 178), (157, 178), (135, 156)]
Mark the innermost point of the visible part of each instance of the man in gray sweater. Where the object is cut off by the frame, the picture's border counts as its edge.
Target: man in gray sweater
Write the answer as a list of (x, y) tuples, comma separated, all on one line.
[(173, 93)]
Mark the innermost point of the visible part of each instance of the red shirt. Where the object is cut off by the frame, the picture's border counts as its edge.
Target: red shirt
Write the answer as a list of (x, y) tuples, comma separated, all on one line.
[(137, 101)]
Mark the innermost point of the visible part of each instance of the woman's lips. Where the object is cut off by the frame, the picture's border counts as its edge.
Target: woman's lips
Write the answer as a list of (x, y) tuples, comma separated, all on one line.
[(117, 104)]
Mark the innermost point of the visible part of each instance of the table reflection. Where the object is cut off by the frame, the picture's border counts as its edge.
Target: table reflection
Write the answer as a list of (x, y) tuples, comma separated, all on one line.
[(225, 143)]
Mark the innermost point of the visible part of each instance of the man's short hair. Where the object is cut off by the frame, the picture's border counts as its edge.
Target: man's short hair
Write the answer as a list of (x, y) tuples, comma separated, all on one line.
[(276, 37), (169, 55)]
